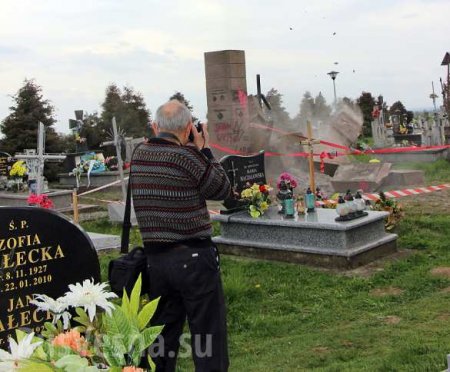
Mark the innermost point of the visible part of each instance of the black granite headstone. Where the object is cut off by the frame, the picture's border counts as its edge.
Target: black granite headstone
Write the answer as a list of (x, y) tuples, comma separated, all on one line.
[(5, 163), (41, 252), (242, 171)]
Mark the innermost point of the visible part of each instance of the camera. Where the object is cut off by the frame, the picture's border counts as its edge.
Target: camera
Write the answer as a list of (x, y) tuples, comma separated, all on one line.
[(198, 126)]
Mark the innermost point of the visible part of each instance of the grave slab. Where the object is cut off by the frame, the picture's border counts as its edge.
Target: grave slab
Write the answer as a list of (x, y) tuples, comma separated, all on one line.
[(61, 199), (116, 212), (96, 179), (314, 238), (365, 176), (426, 156), (104, 242), (403, 178)]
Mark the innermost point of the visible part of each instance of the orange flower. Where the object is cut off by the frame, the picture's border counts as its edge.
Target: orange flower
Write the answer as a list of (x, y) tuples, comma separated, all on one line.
[(74, 340), (132, 369)]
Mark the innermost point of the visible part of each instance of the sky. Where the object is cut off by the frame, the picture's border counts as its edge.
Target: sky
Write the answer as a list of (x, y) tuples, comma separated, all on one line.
[(75, 49)]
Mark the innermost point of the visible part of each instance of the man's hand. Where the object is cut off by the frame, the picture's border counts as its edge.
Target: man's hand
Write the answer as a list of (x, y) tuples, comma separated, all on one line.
[(201, 139)]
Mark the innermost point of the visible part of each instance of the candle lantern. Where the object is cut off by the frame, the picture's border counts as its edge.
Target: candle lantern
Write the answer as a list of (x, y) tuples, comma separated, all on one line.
[(360, 203), (342, 208), (284, 194), (300, 205), (310, 201), (289, 209)]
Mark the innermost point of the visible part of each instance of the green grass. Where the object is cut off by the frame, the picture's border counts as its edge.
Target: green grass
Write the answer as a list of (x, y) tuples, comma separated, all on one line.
[(286, 317), (438, 171)]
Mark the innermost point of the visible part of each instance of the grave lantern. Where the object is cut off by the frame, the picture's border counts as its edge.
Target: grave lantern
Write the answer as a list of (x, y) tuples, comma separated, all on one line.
[(310, 201)]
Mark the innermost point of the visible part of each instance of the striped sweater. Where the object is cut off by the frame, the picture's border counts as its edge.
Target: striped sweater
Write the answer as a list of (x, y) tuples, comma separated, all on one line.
[(170, 186)]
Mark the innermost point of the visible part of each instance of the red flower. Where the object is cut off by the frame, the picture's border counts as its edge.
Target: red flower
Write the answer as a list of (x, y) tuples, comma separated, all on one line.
[(41, 200), (262, 188)]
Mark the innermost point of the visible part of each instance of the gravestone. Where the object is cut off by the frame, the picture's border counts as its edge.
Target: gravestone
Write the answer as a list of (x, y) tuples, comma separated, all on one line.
[(241, 171), (5, 160), (41, 252)]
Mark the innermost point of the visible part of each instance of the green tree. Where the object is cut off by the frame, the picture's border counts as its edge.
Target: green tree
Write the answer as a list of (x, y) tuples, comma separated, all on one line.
[(346, 101), (20, 127), (306, 109), (321, 111), (130, 110), (94, 130), (279, 114), (398, 108), (181, 98), (366, 102)]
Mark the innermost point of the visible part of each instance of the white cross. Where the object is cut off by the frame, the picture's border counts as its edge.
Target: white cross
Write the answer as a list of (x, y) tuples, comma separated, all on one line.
[(118, 146), (40, 158)]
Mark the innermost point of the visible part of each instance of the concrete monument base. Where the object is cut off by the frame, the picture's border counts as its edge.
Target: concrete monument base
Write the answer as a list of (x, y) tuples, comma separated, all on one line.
[(315, 239)]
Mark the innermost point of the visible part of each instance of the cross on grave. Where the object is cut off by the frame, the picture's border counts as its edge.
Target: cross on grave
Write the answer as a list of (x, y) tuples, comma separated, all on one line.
[(309, 142), (36, 161), (234, 171), (117, 144)]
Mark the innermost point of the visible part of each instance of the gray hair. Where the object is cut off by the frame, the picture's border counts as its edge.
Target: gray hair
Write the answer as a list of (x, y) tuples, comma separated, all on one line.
[(173, 116)]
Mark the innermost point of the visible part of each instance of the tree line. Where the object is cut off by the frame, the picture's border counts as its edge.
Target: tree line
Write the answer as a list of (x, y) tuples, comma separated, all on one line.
[(128, 106)]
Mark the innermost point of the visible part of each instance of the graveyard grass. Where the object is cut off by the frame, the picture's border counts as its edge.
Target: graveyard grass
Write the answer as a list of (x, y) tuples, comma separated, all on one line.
[(391, 316)]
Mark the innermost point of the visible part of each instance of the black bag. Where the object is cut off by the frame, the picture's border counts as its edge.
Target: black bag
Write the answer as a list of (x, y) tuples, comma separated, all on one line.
[(124, 271)]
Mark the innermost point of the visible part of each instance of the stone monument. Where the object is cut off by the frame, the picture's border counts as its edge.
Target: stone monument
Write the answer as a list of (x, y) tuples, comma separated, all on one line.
[(41, 252), (226, 95)]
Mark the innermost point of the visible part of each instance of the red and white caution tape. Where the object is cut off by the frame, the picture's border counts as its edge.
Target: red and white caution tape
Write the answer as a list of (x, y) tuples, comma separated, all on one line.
[(407, 192)]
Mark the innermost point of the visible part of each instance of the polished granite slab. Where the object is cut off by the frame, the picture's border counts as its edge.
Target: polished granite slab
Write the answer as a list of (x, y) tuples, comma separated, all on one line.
[(316, 234)]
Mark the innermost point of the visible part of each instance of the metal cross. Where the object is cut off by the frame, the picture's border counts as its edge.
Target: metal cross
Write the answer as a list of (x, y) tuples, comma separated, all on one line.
[(234, 171)]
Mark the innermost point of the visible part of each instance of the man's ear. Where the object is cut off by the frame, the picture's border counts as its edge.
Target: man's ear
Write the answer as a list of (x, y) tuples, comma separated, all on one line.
[(155, 128), (188, 130)]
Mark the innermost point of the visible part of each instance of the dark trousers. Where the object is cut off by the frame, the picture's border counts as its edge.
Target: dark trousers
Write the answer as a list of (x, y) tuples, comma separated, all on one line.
[(187, 277)]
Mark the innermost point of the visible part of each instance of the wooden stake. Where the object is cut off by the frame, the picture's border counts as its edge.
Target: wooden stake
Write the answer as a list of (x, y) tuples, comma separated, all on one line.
[(75, 205), (309, 143), (312, 182)]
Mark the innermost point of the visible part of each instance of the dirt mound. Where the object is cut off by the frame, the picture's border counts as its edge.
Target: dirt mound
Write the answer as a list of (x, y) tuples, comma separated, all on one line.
[(387, 291), (441, 271)]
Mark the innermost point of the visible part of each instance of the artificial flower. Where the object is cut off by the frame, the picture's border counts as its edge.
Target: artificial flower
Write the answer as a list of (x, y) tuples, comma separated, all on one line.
[(40, 200), (18, 351), (257, 197), (18, 169), (57, 307), (73, 340), (89, 295), (132, 369), (287, 177)]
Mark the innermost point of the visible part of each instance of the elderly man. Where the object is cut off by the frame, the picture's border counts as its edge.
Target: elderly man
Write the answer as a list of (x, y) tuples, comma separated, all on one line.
[(171, 180)]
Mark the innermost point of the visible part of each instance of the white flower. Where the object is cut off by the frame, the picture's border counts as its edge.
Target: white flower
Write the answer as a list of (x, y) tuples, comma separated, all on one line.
[(57, 307), (89, 295), (21, 350)]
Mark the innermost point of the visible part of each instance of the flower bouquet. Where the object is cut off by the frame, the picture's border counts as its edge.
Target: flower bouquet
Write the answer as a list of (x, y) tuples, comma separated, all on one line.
[(17, 173), (108, 337), (288, 179), (40, 200), (257, 198)]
